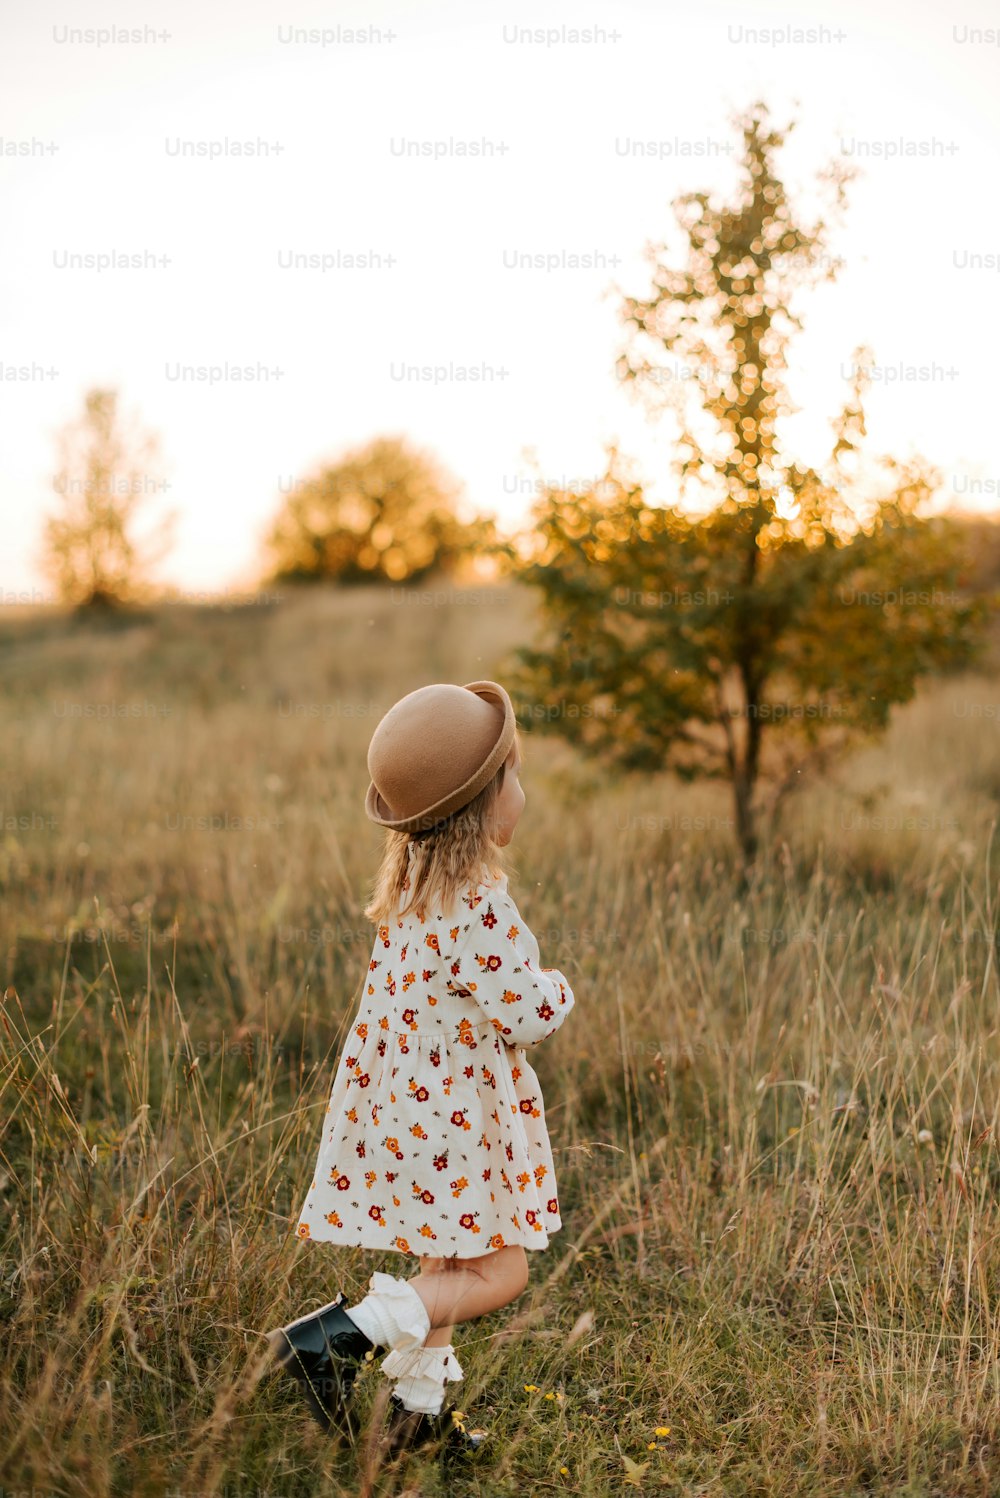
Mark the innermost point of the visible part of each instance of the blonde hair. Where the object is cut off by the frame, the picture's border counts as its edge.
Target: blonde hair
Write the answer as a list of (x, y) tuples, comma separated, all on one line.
[(457, 853)]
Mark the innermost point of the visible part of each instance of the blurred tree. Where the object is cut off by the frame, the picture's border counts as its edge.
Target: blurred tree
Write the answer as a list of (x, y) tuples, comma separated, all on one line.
[(752, 642), (384, 512), (107, 468)]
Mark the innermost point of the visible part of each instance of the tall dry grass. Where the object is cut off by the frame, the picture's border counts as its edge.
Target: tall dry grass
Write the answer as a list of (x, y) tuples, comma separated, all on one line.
[(774, 1111)]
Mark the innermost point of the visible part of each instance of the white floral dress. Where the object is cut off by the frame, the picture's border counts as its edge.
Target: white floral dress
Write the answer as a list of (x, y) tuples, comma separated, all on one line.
[(434, 1139)]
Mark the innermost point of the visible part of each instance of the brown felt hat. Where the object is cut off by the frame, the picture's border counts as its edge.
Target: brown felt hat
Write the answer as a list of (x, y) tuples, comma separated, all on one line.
[(434, 751)]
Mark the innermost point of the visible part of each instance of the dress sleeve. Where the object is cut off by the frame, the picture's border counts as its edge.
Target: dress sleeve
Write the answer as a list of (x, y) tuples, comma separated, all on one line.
[(497, 965)]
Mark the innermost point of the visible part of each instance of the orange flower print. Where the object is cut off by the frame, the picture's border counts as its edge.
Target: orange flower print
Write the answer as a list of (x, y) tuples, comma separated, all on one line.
[(522, 1180), (490, 964), (303, 1230), (541, 1171), (457, 1187), (432, 941), (528, 1106), (390, 986), (402, 1245), (361, 1031), (371, 1176), (393, 1146), (427, 1231), (513, 932), (402, 955), (408, 980), (468, 1220), (453, 933), (352, 1115), (459, 1119), (466, 1034), (418, 1132), (510, 997), (383, 932), (489, 1078), (515, 1072), (497, 1241), (333, 1218)]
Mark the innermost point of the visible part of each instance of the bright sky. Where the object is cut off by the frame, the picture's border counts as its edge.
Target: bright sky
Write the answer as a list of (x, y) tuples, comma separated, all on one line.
[(563, 180)]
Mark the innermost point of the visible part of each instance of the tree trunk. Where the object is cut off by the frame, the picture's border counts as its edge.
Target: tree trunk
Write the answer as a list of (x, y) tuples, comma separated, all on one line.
[(746, 828)]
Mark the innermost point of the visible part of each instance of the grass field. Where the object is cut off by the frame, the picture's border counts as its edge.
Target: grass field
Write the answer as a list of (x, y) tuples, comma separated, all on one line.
[(774, 1110)]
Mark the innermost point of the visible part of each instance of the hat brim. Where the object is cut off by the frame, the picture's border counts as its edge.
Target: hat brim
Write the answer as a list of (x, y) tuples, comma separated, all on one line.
[(379, 812)]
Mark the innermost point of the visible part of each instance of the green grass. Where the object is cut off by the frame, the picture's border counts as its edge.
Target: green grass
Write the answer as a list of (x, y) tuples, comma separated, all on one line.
[(774, 1110)]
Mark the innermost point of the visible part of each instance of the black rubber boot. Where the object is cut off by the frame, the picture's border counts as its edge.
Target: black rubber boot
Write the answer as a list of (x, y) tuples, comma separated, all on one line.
[(322, 1351), (409, 1430)]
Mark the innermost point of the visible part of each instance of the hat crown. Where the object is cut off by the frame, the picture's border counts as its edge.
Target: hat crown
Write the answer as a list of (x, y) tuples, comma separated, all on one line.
[(436, 748)]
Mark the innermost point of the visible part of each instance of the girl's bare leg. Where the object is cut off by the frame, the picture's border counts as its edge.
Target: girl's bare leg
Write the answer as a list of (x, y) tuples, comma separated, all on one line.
[(476, 1287)]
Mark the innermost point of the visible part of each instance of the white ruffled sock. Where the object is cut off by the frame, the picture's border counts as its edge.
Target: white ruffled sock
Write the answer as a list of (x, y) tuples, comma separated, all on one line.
[(392, 1314), (421, 1374)]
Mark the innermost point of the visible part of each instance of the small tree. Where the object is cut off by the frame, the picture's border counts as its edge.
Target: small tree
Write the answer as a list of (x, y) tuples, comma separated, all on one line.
[(107, 469), (750, 644), (385, 512)]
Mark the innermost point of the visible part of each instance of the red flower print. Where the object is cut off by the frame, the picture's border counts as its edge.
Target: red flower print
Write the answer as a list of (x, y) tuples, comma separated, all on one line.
[(458, 1117), (402, 955), (487, 1173), (373, 965), (488, 918), (428, 973), (545, 1010), (441, 1161), (342, 1183), (552, 1205), (468, 1071), (529, 1217), (390, 987), (490, 963), (467, 1220), (375, 1212), (436, 1056), (425, 1196), (381, 1045), (363, 1080), (409, 1018), (360, 1149), (455, 968)]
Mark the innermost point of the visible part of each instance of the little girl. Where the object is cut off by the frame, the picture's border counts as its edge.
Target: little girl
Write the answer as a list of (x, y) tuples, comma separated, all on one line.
[(434, 1142)]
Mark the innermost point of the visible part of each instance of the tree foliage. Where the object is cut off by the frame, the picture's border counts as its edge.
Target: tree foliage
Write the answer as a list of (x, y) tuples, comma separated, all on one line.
[(107, 471), (752, 642), (384, 512)]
